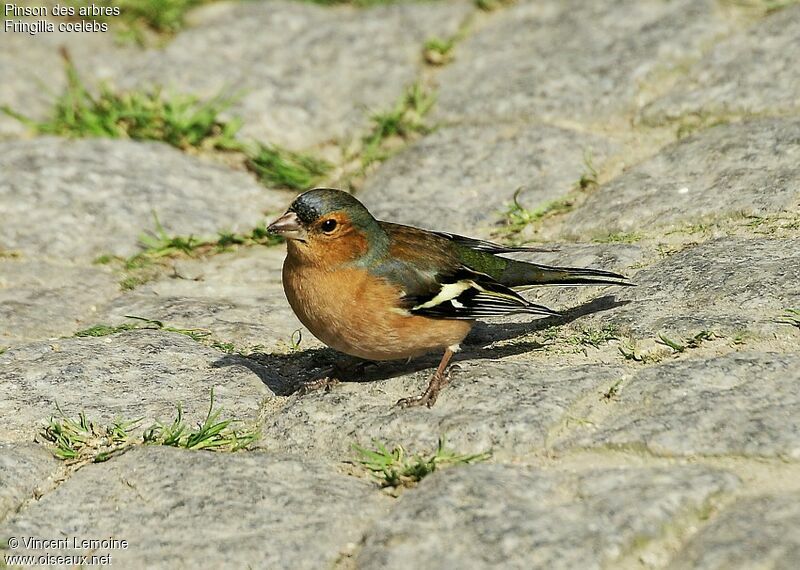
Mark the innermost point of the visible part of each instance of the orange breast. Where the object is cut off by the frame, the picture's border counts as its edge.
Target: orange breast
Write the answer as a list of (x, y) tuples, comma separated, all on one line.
[(356, 313)]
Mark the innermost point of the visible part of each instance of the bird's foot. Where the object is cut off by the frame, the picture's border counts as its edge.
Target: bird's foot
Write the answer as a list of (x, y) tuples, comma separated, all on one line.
[(428, 398), (414, 401), (326, 383)]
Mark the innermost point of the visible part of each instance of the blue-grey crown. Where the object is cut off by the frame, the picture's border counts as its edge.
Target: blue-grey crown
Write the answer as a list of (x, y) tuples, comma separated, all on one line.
[(311, 205)]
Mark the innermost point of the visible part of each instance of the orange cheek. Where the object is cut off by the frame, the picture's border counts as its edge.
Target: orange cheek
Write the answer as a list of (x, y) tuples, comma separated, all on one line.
[(336, 250)]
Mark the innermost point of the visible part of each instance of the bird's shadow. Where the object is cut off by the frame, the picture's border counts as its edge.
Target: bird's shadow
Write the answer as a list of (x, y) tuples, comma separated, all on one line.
[(285, 374)]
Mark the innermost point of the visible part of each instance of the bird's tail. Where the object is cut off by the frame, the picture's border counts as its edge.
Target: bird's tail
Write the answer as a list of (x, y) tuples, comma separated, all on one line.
[(522, 273)]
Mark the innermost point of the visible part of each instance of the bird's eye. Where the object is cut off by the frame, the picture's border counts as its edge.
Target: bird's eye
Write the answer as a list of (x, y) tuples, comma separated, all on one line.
[(328, 225)]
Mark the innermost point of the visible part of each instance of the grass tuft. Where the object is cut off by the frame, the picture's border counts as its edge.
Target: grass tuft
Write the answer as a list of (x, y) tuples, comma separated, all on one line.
[(182, 121), (179, 120), (590, 175), (158, 243), (439, 51), (595, 337), (491, 5), (159, 246), (762, 7), (165, 16), (694, 122), (619, 237), (295, 340), (161, 16), (211, 434), (673, 344), (396, 468), (790, 317), (81, 441), (517, 217), (105, 330), (104, 259), (613, 391), (629, 353), (692, 342), (198, 335), (356, 3), (404, 120), (280, 168), (194, 334)]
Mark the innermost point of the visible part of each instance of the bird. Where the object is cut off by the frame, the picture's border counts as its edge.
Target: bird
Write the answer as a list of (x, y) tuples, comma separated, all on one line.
[(381, 291)]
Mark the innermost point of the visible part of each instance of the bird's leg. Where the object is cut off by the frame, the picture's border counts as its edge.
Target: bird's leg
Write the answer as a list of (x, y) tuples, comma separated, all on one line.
[(438, 381)]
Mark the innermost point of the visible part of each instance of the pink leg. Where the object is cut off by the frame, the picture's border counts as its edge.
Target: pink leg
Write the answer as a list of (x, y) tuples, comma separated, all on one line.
[(438, 381)]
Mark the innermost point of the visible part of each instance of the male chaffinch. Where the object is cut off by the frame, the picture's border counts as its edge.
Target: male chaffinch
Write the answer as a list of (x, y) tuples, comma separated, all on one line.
[(383, 291)]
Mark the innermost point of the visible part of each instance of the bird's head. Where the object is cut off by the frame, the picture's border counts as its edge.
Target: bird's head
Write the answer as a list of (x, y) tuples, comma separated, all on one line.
[(329, 224)]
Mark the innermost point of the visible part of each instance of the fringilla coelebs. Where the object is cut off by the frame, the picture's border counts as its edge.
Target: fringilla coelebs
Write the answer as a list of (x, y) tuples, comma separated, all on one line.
[(383, 291)]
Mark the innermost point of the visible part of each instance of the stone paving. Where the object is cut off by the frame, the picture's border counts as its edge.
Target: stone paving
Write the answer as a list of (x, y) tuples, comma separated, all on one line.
[(651, 427)]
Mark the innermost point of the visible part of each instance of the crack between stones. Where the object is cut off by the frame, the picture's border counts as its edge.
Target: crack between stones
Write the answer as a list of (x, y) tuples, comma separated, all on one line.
[(758, 476), (658, 551), (47, 487), (642, 451)]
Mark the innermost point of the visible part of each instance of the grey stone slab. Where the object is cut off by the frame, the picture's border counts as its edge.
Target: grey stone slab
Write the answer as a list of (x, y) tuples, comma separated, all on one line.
[(751, 167), (751, 72), (305, 74), (571, 60), (81, 198), (741, 404), (137, 374), (463, 178), (182, 509), (43, 299), (757, 532), (23, 468), (489, 516), (507, 406), (726, 285), (237, 297)]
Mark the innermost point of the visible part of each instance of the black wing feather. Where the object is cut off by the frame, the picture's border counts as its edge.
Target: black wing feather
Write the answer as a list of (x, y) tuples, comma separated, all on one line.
[(481, 296), (488, 246)]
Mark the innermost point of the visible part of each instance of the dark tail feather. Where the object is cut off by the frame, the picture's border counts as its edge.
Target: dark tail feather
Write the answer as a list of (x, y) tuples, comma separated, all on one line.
[(541, 310), (521, 273)]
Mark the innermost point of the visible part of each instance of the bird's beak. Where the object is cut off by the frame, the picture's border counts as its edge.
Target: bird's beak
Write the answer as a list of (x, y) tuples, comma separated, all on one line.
[(289, 227)]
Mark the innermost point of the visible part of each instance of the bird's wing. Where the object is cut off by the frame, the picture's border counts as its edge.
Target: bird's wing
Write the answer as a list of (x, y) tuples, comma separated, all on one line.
[(453, 251), (488, 246), (435, 282), (467, 294), (483, 256)]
